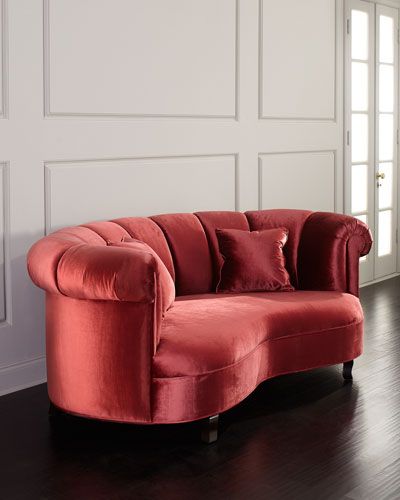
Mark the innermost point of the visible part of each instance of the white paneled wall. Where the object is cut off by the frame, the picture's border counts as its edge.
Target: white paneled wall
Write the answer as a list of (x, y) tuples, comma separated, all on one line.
[(131, 107)]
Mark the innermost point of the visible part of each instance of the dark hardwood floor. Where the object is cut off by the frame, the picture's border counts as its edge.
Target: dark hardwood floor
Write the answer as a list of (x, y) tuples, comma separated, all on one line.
[(308, 435)]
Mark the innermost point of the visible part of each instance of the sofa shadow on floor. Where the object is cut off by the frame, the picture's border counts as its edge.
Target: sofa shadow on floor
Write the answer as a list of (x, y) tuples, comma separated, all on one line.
[(273, 398)]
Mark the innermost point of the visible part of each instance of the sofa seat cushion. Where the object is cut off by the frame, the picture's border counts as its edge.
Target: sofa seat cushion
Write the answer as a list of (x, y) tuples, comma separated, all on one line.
[(206, 333)]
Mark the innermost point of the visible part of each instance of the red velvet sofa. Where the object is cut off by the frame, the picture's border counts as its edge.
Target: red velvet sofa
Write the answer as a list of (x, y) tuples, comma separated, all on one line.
[(111, 355)]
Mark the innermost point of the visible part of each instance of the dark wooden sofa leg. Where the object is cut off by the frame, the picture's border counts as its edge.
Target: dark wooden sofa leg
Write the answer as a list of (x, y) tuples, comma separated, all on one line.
[(347, 369), (209, 431), (54, 411)]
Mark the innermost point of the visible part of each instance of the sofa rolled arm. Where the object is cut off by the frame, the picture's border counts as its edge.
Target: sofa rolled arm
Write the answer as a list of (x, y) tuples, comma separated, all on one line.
[(107, 273), (329, 251), (102, 273)]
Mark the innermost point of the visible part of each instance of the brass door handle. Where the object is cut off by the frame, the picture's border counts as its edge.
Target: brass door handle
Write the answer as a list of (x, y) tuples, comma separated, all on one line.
[(380, 175)]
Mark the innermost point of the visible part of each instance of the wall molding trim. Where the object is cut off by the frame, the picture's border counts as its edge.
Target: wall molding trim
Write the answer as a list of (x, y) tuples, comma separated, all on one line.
[(334, 152), (48, 113), (22, 374), (50, 165), (6, 320), (286, 119)]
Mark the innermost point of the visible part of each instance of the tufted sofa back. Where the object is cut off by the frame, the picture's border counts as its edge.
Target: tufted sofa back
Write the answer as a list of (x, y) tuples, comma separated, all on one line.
[(186, 243)]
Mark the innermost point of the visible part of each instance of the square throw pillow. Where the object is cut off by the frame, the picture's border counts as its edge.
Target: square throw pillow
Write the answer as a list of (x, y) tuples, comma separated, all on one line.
[(166, 285), (253, 261)]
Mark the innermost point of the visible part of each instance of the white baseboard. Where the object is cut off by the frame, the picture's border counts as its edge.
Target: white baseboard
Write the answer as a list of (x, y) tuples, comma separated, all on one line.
[(378, 280), (22, 375)]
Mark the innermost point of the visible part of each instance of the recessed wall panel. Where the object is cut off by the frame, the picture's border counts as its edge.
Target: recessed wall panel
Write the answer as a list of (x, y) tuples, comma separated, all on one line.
[(135, 57), (298, 180), (297, 59), (78, 192)]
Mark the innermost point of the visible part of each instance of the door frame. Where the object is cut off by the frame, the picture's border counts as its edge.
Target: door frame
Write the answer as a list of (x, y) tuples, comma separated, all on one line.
[(369, 269)]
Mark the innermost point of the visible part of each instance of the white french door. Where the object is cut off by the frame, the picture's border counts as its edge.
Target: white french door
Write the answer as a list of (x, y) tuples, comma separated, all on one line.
[(371, 119)]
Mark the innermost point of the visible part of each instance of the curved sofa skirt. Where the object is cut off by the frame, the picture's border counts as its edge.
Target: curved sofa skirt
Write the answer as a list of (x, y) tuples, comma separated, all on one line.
[(187, 398)]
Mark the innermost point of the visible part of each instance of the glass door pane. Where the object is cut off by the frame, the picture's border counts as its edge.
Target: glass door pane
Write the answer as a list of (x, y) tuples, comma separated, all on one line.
[(359, 189), (359, 39), (359, 134), (386, 137), (385, 192), (385, 233), (386, 88), (386, 39), (359, 86)]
